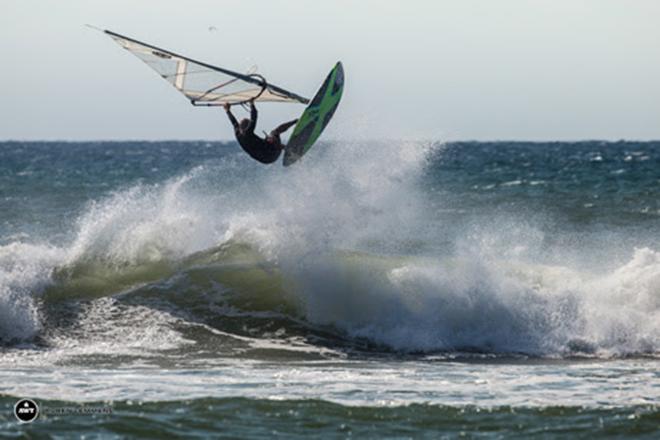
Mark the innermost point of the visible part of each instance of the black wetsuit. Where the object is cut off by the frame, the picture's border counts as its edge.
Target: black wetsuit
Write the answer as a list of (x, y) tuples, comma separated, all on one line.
[(258, 148)]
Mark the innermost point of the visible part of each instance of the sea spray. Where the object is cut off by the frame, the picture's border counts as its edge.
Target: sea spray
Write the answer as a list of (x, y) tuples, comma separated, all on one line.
[(25, 271)]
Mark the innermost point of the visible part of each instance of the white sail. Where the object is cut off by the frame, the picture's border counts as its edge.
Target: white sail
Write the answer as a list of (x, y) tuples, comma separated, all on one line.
[(204, 84)]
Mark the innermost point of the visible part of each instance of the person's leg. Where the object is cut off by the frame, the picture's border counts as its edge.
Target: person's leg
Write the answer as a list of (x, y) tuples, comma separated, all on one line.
[(283, 127)]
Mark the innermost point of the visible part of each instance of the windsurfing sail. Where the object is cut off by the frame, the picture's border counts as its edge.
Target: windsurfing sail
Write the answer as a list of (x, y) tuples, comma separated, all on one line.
[(204, 84)]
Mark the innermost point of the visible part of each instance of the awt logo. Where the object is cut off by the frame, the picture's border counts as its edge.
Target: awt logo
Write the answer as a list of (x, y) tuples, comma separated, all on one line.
[(26, 410)]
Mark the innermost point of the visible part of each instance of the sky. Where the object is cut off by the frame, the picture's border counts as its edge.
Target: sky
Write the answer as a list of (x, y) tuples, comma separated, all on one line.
[(415, 69)]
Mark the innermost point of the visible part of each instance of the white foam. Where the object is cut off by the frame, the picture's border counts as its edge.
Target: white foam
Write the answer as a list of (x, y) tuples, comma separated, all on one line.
[(489, 305), (139, 225), (25, 270)]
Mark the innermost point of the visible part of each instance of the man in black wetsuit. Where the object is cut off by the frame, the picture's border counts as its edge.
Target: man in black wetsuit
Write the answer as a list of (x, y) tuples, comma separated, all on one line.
[(263, 150)]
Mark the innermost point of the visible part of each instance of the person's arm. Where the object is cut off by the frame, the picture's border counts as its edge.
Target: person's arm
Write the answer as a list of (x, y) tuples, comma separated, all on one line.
[(253, 116), (284, 127), (231, 117)]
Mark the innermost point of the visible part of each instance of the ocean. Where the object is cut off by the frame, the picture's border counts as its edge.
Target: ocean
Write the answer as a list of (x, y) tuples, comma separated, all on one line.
[(375, 289)]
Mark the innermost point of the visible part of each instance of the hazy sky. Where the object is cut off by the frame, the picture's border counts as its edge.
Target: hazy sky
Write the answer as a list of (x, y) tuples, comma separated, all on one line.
[(468, 69)]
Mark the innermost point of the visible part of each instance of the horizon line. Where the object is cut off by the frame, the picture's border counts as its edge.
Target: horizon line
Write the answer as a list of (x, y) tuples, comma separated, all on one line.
[(402, 139)]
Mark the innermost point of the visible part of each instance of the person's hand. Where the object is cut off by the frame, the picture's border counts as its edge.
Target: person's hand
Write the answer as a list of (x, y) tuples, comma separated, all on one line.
[(226, 106)]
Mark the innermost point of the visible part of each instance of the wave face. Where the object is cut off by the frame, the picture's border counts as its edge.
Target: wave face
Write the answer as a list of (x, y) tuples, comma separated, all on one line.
[(546, 250)]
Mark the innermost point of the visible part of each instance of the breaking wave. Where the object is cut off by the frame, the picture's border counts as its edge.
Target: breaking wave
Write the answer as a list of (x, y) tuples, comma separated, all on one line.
[(353, 243)]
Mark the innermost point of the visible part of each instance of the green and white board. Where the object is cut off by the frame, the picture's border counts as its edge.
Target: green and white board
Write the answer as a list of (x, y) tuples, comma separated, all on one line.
[(316, 116)]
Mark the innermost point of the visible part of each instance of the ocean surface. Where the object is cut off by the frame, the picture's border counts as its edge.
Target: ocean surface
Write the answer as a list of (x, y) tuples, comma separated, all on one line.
[(373, 290)]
